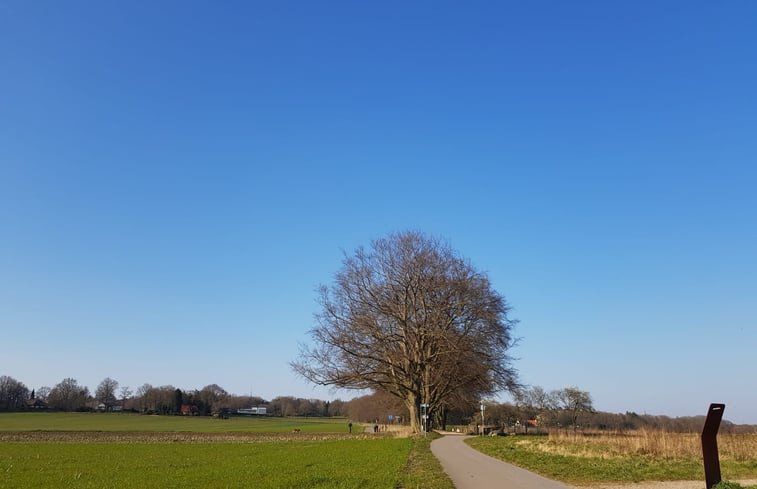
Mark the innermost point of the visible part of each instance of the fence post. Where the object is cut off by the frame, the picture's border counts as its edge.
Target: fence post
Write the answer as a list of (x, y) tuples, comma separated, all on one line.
[(710, 445)]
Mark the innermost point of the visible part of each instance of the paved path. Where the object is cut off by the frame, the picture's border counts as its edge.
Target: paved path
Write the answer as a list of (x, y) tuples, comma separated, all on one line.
[(470, 469)]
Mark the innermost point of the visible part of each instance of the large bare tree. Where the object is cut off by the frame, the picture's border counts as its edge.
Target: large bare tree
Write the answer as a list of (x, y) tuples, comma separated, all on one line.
[(13, 394), (410, 317), (106, 390), (68, 395), (574, 401)]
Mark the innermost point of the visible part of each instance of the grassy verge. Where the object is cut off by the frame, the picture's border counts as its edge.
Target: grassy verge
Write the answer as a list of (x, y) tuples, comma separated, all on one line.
[(582, 463), (423, 470)]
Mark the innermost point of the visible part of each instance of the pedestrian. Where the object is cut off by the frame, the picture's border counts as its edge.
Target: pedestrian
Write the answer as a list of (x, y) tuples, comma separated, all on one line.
[(349, 425)]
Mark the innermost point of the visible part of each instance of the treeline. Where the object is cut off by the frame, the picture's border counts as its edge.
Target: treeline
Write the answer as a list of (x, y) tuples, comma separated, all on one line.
[(213, 399), (514, 418), (68, 395), (534, 410), (537, 410)]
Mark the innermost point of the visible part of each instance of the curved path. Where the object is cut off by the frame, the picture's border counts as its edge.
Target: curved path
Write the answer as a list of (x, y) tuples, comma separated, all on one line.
[(471, 469)]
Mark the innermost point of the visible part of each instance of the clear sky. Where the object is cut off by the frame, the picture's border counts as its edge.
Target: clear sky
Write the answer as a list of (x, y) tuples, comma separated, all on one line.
[(177, 178)]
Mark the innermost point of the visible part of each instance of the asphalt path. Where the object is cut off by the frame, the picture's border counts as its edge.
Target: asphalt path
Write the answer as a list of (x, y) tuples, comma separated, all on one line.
[(471, 469)]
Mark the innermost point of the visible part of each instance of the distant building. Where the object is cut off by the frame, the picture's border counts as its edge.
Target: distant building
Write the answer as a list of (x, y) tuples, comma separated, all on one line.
[(109, 407), (36, 404), (252, 411)]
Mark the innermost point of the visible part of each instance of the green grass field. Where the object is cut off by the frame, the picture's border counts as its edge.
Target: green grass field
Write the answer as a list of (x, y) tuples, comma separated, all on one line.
[(131, 451), (589, 460), (338, 463), (144, 423)]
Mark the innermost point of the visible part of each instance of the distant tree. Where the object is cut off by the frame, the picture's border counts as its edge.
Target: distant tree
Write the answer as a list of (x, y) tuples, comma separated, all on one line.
[(504, 415), (458, 406), (156, 400), (379, 405), (212, 399), (234, 402), (125, 393), (411, 318), (240, 402), (336, 408), (141, 397), (68, 395), (43, 392), (13, 394), (106, 391), (575, 402), (178, 400), (536, 403), (284, 406)]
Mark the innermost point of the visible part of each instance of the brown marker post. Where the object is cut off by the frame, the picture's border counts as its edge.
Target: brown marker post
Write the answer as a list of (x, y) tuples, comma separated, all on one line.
[(710, 444)]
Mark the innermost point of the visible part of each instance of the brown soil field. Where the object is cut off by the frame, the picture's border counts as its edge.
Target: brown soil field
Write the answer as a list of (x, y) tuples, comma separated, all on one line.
[(173, 437)]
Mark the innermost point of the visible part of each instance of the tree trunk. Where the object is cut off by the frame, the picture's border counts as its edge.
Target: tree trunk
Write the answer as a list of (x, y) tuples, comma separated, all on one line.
[(411, 402)]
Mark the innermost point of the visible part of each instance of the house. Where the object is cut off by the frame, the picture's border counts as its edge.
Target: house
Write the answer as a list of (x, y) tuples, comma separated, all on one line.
[(109, 406), (36, 404), (253, 411)]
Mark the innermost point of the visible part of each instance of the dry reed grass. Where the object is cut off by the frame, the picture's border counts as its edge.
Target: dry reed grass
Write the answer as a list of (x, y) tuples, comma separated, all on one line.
[(655, 443)]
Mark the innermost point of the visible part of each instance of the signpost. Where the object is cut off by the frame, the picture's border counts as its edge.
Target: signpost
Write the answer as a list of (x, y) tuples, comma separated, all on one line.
[(482, 417), (424, 418), (710, 444)]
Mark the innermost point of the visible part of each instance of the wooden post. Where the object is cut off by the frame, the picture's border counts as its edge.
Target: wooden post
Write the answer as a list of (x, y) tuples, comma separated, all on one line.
[(710, 445)]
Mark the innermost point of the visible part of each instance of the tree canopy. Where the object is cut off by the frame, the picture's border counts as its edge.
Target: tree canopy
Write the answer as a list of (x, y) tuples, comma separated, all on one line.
[(68, 395), (412, 318), (13, 394), (106, 390)]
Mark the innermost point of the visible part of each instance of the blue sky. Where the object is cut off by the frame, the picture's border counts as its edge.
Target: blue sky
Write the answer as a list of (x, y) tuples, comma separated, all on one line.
[(177, 178)]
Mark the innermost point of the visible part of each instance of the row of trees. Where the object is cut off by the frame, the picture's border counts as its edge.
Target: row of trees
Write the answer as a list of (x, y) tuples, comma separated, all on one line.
[(558, 407), (569, 408), (68, 395), (563, 409)]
